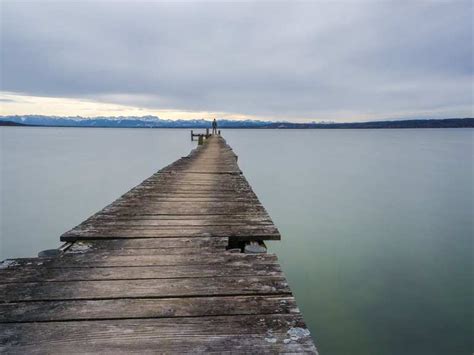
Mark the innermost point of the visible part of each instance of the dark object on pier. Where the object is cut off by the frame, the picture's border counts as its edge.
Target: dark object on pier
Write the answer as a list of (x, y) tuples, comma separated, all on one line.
[(203, 135), (214, 126)]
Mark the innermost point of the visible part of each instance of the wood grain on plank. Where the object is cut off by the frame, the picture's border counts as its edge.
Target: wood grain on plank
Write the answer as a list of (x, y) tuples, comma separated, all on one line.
[(137, 243), (44, 274), (86, 260), (244, 334), (144, 288), (146, 308)]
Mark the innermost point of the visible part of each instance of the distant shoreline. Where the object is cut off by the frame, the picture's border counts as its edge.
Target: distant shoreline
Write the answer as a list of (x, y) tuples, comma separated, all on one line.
[(12, 121)]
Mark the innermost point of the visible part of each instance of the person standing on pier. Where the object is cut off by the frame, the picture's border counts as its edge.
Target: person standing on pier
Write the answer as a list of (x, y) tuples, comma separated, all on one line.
[(214, 126)]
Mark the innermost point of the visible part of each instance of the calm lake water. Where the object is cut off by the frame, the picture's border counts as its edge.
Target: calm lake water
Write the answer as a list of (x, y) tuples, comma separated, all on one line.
[(377, 224)]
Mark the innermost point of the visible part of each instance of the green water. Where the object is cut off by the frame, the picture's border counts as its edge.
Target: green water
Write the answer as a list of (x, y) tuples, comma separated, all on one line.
[(377, 233), (376, 224)]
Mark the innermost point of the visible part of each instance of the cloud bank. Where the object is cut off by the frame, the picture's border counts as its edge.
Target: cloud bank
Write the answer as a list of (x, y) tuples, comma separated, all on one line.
[(342, 61)]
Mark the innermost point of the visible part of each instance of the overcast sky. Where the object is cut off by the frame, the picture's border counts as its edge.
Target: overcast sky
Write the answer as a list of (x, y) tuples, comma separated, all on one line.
[(295, 61)]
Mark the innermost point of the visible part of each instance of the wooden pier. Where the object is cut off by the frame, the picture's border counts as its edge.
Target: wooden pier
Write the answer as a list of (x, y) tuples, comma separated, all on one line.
[(166, 268)]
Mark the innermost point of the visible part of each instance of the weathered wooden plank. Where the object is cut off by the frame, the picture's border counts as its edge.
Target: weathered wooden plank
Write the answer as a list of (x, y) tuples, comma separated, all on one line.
[(120, 235), (196, 192), (215, 187), (146, 308), (137, 243), (243, 334), (183, 179), (126, 213), (185, 210), (51, 274), (177, 177), (85, 260), (203, 186), (224, 170), (181, 230), (189, 207), (198, 204), (158, 200), (147, 243), (219, 170), (181, 220), (179, 287), (171, 220), (140, 251), (157, 232), (207, 186), (201, 217), (188, 191), (243, 233)]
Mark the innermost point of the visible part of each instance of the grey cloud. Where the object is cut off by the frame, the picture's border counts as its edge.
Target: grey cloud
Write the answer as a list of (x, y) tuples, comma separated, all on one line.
[(275, 59)]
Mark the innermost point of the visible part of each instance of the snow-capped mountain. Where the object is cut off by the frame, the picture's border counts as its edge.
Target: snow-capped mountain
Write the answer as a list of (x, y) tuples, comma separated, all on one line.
[(156, 122), (127, 122)]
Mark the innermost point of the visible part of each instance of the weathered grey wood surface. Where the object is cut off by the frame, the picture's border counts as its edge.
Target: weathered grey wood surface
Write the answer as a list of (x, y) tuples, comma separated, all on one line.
[(151, 273), (201, 195)]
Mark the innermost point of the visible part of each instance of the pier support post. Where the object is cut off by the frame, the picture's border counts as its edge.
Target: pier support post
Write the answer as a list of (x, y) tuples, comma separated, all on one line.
[(201, 139), (192, 135)]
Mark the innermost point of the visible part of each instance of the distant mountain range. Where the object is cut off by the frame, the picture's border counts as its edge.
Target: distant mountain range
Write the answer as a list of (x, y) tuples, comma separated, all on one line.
[(156, 122)]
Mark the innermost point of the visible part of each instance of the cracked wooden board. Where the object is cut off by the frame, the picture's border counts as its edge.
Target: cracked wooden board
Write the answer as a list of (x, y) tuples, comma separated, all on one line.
[(146, 308), (115, 260), (274, 333), (144, 288), (43, 274)]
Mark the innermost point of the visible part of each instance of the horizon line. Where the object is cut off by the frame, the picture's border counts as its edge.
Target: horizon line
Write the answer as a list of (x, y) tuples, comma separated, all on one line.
[(321, 121)]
